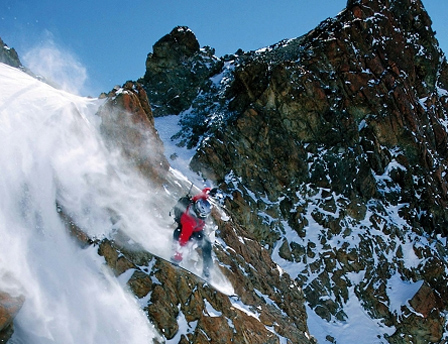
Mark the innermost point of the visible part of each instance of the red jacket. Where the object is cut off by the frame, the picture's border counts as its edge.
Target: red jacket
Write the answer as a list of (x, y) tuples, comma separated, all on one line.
[(189, 222)]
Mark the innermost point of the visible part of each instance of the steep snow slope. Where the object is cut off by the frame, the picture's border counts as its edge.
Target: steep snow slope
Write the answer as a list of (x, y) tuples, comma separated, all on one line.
[(55, 164), (51, 153)]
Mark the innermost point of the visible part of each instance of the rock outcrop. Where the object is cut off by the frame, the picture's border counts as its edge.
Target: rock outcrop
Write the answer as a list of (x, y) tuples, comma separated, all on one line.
[(9, 55), (177, 70), (128, 125), (9, 307)]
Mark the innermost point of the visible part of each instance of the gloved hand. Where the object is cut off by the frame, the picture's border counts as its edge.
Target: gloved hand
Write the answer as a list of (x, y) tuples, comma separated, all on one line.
[(217, 195), (213, 192)]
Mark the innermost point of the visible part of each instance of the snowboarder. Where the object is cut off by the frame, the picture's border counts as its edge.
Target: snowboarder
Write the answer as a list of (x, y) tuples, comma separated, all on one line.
[(191, 224)]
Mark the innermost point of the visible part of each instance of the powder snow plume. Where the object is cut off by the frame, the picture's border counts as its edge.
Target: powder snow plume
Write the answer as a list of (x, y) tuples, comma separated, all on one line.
[(52, 154), (56, 65)]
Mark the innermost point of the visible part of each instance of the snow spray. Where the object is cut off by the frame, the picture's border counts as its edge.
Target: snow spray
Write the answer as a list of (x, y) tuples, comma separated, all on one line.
[(52, 154)]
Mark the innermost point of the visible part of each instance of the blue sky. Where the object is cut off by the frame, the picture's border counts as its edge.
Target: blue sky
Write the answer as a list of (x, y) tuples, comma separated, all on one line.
[(100, 44)]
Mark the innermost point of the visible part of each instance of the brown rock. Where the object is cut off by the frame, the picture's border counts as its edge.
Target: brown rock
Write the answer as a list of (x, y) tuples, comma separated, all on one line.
[(140, 284), (176, 294), (425, 301), (176, 71), (332, 110), (9, 307), (250, 330), (116, 261), (77, 233), (128, 124)]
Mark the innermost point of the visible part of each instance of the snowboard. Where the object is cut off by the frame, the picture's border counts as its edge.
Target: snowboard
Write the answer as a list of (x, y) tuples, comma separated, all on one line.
[(193, 264)]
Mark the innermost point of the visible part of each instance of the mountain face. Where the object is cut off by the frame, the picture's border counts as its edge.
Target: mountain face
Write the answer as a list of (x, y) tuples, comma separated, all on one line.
[(266, 306), (332, 151)]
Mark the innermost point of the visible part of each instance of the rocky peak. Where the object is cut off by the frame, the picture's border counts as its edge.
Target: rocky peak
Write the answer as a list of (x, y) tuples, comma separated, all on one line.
[(176, 71), (353, 86), (9, 55), (179, 44), (128, 125)]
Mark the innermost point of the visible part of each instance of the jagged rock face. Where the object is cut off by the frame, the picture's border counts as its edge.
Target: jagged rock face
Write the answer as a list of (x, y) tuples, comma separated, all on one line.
[(276, 303), (341, 132), (9, 55), (354, 89), (176, 71), (128, 124)]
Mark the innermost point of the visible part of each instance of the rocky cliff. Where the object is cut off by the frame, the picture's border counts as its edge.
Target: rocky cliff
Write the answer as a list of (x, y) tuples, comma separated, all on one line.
[(332, 150), (267, 306)]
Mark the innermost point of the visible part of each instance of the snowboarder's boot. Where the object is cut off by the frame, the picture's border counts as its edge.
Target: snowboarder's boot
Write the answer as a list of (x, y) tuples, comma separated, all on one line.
[(176, 258), (206, 272)]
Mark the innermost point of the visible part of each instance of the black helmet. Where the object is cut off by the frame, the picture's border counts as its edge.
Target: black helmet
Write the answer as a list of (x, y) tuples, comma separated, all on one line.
[(202, 208)]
